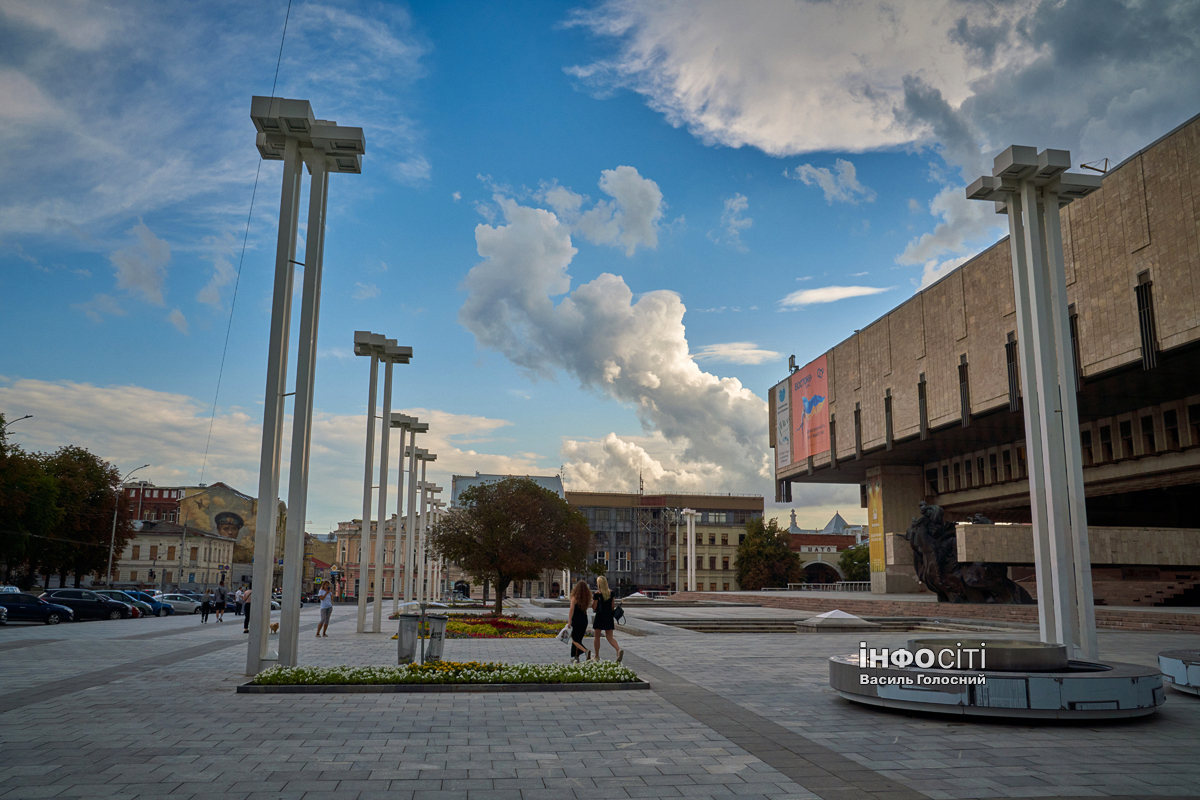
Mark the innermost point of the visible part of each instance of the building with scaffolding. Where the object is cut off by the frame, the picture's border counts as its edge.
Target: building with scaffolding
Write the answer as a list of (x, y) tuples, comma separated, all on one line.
[(637, 536)]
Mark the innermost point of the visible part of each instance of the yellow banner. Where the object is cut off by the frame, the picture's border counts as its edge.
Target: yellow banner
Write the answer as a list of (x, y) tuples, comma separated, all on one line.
[(875, 523)]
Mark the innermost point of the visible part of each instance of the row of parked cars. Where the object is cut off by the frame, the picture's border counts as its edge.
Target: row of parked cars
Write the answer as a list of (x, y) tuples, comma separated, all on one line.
[(67, 605)]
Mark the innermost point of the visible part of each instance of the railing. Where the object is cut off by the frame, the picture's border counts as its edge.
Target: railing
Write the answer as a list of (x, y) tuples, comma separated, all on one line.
[(840, 586)]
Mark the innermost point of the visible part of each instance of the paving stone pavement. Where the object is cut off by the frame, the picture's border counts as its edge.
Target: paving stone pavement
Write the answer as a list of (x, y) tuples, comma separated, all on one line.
[(147, 709)]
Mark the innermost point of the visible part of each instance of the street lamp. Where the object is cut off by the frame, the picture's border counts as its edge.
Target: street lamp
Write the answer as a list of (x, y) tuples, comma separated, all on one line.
[(1031, 187), (392, 354), (405, 423), (116, 504), (287, 131)]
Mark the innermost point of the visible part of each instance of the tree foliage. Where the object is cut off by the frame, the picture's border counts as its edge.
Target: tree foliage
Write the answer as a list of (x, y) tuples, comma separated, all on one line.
[(764, 558), (56, 513), (855, 562), (511, 530)]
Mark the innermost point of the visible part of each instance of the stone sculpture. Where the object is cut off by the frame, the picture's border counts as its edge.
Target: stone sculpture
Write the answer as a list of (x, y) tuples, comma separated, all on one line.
[(935, 558)]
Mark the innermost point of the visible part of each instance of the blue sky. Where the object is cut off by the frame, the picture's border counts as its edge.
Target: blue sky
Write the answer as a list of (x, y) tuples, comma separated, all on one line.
[(711, 163)]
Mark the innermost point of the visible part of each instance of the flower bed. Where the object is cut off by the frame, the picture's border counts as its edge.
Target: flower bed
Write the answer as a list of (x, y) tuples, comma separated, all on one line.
[(486, 626), (448, 672)]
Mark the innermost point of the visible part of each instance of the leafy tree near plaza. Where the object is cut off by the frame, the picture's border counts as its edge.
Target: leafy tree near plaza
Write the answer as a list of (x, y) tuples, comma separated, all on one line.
[(87, 489), (29, 511), (511, 530), (764, 558), (855, 562)]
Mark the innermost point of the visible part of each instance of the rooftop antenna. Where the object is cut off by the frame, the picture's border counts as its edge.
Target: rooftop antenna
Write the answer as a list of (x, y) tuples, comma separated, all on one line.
[(1090, 165)]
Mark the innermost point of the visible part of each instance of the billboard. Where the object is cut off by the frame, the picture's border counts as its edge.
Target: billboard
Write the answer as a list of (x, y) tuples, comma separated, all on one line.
[(810, 393), (783, 424)]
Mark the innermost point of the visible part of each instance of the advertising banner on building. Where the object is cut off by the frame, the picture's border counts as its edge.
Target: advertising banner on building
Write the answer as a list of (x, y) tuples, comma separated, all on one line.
[(875, 523), (783, 425), (810, 417)]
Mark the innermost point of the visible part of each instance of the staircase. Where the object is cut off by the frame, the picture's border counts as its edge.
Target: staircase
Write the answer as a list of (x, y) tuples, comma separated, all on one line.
[(762, 625), (1184, 591)]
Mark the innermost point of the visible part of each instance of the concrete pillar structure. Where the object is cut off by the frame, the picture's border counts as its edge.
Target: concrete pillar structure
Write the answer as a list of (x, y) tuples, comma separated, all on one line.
[(690, 516), (893, 496)]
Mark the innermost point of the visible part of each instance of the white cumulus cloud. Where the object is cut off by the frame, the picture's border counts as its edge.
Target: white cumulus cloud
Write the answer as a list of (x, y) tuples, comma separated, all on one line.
[(630, 219), (839, 184), (732, 221), (829, 294)]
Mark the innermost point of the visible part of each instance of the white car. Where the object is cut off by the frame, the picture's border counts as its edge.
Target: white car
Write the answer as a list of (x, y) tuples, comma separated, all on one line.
[(181, 603)]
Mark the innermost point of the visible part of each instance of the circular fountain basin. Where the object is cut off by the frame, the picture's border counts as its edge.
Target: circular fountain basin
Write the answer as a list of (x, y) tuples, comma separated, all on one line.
[(1023, 680), (1001, 655), (1181, 668)]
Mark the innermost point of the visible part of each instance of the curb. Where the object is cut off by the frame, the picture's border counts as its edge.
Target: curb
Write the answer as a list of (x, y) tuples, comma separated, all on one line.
[(440, 688)]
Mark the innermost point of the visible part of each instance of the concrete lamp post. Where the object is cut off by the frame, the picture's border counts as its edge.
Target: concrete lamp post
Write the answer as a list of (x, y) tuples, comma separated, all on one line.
[(287, 131), (412, 452), (427, 490), (690, 516), (378, 348), (404, 423), (1030, 187), (113, 539)]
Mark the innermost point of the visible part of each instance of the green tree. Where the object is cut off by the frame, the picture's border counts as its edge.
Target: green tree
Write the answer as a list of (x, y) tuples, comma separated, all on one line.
[(511, 530), (29, 511), (855, 562), (87, 489), (764, 558)]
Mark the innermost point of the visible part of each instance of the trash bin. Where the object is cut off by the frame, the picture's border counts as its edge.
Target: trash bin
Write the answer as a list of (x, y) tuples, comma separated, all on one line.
[(437, 636), (406, 639)]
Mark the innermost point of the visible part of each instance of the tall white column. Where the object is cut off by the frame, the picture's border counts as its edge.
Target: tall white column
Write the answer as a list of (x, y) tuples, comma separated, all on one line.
[(381, 526), (421, 588), (691, 549), (272, 438), (401, 530), (306, 368), (364, 540), (410, 546)]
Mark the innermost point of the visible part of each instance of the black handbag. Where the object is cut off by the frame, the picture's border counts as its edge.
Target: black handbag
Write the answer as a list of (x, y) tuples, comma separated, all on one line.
[(619, 615)]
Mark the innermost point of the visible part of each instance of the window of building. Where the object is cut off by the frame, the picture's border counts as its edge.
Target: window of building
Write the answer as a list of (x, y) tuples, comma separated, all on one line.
[(1194, 422), (946, 476), (602, 558), (922, 408), (741, 538), (931, 479), (624, 560), (995, 471), (1085, 447), (712, 562), (979, 464), (967, 467), (1148, 442), (725, 563), (964, 390), (712, 587), (167, 576), (1106, 447), (712, 539), (1006, 456), (133, 492), (136, 555), (1014, 374), (195, 553), (133, 574), (171, 553), (858, 430), (1145, 306), (1171, 429), (1126, 429), (887, 418), (957, 477), (726, 587), (1021, 467), (724, 538)]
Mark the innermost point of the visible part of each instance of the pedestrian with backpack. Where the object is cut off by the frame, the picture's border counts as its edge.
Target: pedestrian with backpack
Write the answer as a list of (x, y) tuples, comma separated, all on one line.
[(219, 605), (604, 620)]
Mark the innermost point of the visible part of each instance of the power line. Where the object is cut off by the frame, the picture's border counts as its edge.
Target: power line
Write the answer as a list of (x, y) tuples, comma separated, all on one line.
[(242, 257)]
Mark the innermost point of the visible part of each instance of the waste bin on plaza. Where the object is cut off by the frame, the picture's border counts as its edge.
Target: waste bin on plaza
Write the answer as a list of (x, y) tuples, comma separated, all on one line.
[(437, 636), (406, 639)]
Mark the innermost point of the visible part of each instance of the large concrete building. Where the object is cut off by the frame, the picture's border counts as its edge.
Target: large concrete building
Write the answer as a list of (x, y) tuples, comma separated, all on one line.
[(925, 402)]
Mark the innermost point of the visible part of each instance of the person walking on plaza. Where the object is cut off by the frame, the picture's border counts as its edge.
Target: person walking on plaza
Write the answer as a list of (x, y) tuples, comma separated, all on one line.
[(219, 606), (246, 611), (237, 602), (581, 598), (326, 595), (604, 621), (206, 603)]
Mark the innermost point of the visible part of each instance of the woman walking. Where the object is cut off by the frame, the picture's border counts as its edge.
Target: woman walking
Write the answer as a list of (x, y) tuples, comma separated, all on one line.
[(206, 603), (581, 598), (246, 611), (603, 621)]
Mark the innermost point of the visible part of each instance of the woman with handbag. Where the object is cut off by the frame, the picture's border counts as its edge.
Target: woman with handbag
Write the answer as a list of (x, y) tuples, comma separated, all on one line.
[(581, 598), (604, 620)]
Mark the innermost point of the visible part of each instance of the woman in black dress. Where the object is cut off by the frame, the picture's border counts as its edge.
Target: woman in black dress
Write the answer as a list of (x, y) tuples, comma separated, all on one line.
[(581, 598), (603, 621)]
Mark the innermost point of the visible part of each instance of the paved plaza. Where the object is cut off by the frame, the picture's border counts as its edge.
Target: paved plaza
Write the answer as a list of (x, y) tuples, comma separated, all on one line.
[(147, 709)]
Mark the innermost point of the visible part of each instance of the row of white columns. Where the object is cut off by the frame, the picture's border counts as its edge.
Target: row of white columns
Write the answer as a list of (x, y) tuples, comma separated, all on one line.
[(689, 516)]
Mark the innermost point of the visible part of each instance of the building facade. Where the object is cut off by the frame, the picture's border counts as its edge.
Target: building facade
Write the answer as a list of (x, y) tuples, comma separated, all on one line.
[(639, 538), (925, 403), (154, 503), (168, 557)]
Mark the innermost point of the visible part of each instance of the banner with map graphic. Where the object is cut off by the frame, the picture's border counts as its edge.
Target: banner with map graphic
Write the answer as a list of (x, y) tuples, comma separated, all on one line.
[(810, 410)]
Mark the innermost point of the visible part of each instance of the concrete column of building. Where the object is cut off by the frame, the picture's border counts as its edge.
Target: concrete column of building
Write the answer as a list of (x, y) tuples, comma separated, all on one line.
[(1047, 619), (410, 546), (401, 532), (422, 594), (364, 539), (385, 454), (306, 368), (690, 531), (272, 438), (894, 495)]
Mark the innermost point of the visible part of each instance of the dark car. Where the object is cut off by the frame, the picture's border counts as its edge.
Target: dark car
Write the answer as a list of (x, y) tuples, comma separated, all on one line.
[(27, 608), (158, 607), (87, 604)]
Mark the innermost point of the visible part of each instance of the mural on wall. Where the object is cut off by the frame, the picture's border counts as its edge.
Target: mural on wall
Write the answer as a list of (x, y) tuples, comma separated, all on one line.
[(225, 511)]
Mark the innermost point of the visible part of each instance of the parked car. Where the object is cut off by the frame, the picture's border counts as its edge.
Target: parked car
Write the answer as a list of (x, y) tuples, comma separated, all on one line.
[(182, 603), (27, 608), (87, 603), (157, 605), (9, 590), (144, 609), (3, 615)]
